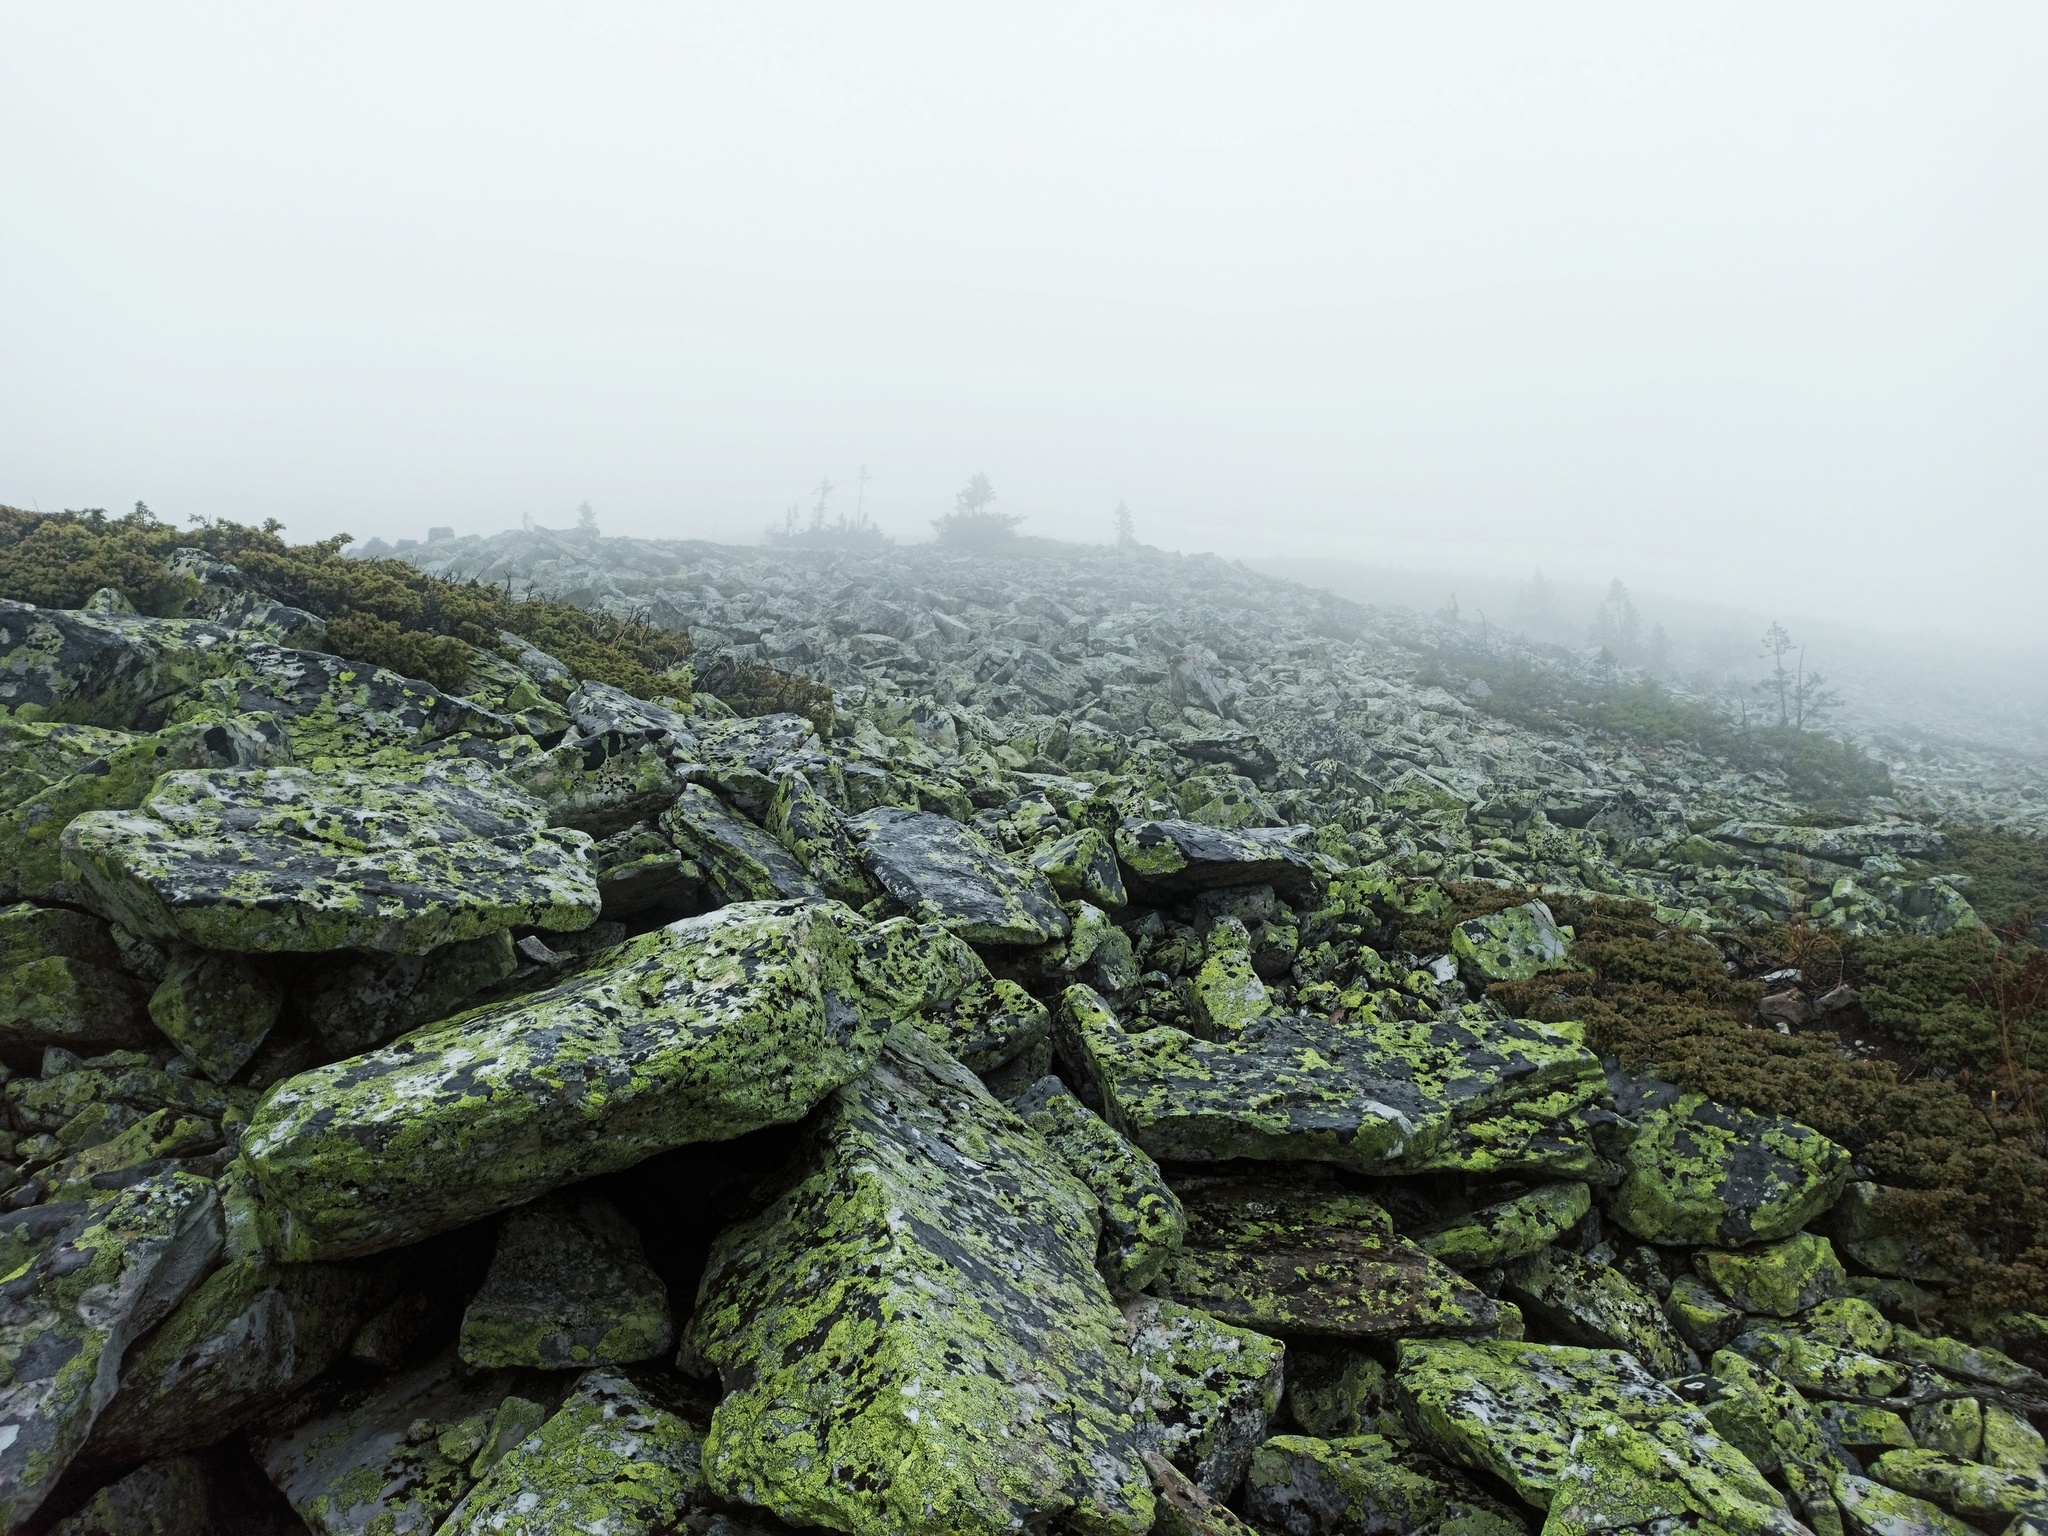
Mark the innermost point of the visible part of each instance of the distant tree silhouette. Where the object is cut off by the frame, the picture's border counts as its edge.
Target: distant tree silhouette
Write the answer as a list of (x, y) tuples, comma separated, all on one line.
[(971, 523)]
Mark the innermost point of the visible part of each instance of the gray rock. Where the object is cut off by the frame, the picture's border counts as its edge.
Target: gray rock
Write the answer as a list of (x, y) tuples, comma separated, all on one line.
[(949, 874), (1211, 1390), (1182, 857), (568, 1287), (741, 862), (359, 1000), (1142, 1222)]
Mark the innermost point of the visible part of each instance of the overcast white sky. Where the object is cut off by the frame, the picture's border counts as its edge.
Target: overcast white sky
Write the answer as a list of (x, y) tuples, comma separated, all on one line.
[(1745, 301)]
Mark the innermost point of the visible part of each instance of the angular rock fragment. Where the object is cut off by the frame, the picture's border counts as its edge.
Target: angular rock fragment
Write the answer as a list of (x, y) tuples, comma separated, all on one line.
[(947, 991), (346, 712), (32, 829), (931, 1277), (34, 754), (2011, 1443), (1580, 1302), (1366, 1484), (1182, 857), (1207, 1391), (86, 1278), (1371, 1095), (117, 671), (1820, 1369), (568, 1287), (1702, 1319), (613, 1459), (1082, 867), (639, 871), (216, 1009), (1512, 945), (1860, 1427), (392, 1456), (1619, 1474), (1876, 1510), (1518, 1411), (289, 859), (359, 1000), (1783, 1278), (245, 1340), (1227, 996), (742, 862), (1969, 1488), (1705, 1173), (60, 983), (701, 1031), (605, 783), (1953, 1426), (1333, 1390), (1508, 1229), (1968, 1362), (949, 874), (1852, 1323), (1765, 1418), (1310, 1258), (598, 708), (1142, 1222), (803, 822), (1183, 1509)]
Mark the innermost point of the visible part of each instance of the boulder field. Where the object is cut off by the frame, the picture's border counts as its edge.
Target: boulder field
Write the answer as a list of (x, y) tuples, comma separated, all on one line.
[(527, 1108)]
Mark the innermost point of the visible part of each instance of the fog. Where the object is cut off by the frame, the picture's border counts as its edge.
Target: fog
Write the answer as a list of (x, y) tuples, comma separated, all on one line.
[(1742, 303)]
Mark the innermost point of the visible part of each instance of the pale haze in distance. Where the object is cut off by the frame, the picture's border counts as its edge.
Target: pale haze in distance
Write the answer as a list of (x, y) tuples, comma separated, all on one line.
[(1743, 303)]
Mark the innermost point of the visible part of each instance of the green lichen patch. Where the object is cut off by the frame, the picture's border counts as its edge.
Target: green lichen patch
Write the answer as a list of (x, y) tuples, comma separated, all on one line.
[(246, 1339), (567, 1287), (1819, 1369), (1366, 1483), (1307, 1257), (604, 782), (806, 824), (701, 1031), (1702, 1172), (291, 859), (1581, 1302), (1207, 1391), (1620, 1474), (1226, 995), (945, 989), (83, 1280), (112, 670), (2011, 1443), (1852, 1323), (1142, 1221), (614, 1458), (1702, 1318), (1081, 866), (950, 874), (1969, 1488), (1862, 1426), (1508, 1229), (1182, 857), (1877, 1510), (1782, 1279), (1764, 1417), (914, 1339)]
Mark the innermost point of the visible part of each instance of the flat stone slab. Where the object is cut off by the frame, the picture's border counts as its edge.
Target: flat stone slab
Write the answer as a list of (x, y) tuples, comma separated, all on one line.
[(289, 859), (1580, 1302), (568, 1286), (914, 1339), (1370, 1095), (1309, 1258), (1183, 857), (742, 862), (1508, 1229), (105, 669), (88, 1277), (952, 875), (701, 1031)]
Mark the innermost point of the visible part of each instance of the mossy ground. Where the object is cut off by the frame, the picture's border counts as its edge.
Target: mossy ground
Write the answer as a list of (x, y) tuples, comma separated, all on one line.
[(1971, 1163)]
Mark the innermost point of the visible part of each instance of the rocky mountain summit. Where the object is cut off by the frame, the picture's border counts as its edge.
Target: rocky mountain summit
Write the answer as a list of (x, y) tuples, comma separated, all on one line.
[(1146, 1051)]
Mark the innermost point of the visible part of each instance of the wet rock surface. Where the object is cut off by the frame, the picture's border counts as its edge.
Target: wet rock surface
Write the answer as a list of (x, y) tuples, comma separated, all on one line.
[(1019, 1100)]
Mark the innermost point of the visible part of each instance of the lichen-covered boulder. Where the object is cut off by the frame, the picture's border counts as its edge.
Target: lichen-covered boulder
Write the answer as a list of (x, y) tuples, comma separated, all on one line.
[(805, 823), (1852, 1323), (2011, 1443), (61, 983), (1657, 1476), (1179, 858), (85, 1279), (567, 1287), (1820, 1369), (347, 712), (1969, 1488), (1763, 1416), (1512, 945), (639, 871), (1862, 1427), (1705, 1173), (1876, 1510), (291, 859), (1783, 1278), (1309, 1258), (1207, 1391), (1082, 867), (982, 1021), (1967, 1362), (1368, 1094), (165, 1498), (1953, 1426), (1310, 1487), (34, 754), (1508, 1229), (106, 669), (245, 1340), (216, 1009), (1142, 1222), (951, 875), (1580, 1302), (914, 1338), (1333, 1390), (359, 999), (605, 783), (613, 1459), (742, 862), (701, 1031), (1183, 1509), (1702, 1318), (1516, 1410), (1227, 995), (390, 1456), (32, 829)]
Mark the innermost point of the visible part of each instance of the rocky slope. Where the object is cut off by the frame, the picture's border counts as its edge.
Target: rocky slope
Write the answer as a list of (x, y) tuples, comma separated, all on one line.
[(1079, 1084)]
